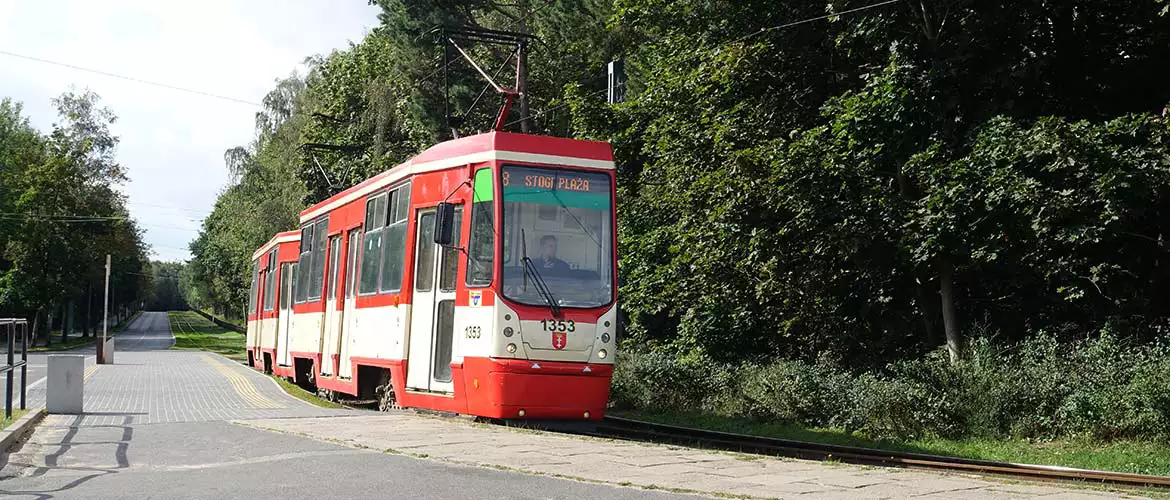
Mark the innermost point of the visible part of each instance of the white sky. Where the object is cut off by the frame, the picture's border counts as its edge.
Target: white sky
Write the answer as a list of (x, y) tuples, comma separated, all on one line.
[(172, 142)]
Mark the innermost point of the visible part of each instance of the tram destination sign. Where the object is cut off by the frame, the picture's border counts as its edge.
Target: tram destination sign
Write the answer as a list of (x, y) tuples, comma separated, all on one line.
[(540, 179)]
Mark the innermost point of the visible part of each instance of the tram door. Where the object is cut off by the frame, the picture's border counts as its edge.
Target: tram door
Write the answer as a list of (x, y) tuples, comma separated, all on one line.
[(332, 315), (349, 311), (288, 274), (432, 315)]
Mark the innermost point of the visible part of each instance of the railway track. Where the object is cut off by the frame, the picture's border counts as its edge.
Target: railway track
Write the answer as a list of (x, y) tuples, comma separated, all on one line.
[(637, 430)]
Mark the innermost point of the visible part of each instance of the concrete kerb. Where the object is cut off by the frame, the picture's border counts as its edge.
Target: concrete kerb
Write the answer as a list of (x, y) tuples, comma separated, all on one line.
[(21, 427)]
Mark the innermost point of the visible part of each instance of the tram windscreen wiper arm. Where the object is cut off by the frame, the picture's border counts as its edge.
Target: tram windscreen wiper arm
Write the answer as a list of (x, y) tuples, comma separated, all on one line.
[(541, 286), (530, 271)]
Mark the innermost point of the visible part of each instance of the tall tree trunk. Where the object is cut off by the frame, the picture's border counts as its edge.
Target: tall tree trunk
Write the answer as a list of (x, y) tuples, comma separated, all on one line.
[(67, 320), (49, 325), (88, 321), (36, 330), (950, 323)]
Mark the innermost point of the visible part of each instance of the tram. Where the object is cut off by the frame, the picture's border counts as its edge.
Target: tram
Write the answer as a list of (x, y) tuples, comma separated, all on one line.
[(269, 305), (479, 277)]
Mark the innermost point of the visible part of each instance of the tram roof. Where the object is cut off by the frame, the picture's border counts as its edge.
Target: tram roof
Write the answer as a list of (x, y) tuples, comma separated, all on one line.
[(479, 148), (285, 237)]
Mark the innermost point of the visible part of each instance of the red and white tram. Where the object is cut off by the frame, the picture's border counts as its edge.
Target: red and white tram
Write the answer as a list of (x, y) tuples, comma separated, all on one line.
[(479, 277), (270, 302)]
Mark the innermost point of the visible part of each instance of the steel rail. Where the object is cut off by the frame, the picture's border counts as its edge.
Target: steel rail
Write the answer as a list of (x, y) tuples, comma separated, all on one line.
[(654, 432)]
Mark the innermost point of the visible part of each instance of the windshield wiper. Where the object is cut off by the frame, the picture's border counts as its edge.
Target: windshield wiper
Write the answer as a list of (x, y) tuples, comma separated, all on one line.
[(537, 279)]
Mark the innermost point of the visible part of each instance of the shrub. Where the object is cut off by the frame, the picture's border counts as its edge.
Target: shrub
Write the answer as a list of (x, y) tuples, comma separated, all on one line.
[(796, 392), (1100, 388), (660, 381)]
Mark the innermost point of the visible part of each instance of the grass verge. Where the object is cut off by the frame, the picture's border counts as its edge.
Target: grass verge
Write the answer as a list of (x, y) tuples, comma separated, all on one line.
[(1120, 456), (236, 322), (194, 332), (72, 343), (303, 395), (16, 414)]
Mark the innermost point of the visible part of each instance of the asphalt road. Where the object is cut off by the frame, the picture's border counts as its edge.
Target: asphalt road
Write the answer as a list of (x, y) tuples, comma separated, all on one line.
[(159, 426)]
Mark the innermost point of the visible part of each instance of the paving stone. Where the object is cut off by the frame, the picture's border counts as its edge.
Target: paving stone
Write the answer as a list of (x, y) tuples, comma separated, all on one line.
[(788, 490), (615, 461), (850, 479), (150, 386), (704, 482), (977, 494), (652, 460), (1033, 490)]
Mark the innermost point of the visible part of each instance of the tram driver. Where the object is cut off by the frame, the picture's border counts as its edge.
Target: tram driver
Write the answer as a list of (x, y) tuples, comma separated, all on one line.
[(548, 256)]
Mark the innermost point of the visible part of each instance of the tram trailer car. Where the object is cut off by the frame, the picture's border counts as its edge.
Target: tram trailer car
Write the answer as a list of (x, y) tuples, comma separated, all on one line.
[(270, 302), (479, 277)]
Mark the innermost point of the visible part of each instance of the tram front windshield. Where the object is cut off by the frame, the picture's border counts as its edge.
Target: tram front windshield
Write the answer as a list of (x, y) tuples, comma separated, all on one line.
[(561, 221)]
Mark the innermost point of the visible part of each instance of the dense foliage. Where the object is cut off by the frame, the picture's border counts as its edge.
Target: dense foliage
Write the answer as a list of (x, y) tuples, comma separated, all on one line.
[(860, 189), (1041, 388), (167, 292), (61, 214)]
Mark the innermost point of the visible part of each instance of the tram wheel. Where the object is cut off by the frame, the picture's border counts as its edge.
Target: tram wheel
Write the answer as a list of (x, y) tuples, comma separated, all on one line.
[(386, 398)]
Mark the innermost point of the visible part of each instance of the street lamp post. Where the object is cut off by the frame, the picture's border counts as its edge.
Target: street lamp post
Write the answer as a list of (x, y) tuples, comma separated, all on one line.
[(105, 315)]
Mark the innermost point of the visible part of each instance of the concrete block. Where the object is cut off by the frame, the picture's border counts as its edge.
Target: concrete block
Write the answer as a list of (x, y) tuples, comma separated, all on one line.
[(106, 353), (65, 385)]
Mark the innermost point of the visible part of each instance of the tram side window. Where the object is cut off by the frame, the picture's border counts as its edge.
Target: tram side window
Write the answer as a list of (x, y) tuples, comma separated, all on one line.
[(255, 286), (450, 264), (270, 282), (394, 238), (317, 271), (372, 244), (301, 284), (481, 248)]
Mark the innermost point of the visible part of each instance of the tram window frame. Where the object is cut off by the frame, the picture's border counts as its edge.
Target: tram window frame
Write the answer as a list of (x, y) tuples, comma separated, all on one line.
[(255, 287), (449, 265), (482, 215), (394, 239), (369, 265), (270, 282), (317, 270), (300, 285)]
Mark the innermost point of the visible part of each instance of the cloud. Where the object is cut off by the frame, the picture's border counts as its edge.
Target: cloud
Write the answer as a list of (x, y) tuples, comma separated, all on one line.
[(172, 143)]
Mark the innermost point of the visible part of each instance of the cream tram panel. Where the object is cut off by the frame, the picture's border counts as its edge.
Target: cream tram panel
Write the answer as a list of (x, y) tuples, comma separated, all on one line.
[(267, 328), (379, 332), (306, 332)]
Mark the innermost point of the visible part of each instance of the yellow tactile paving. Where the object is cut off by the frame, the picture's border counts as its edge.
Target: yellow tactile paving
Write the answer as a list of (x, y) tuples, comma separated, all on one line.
[(89, 371), (242, 385)]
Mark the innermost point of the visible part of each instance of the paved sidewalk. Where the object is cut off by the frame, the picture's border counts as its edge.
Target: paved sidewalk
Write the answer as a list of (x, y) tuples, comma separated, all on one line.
[(185, 424), (156, 425), (648, 465)]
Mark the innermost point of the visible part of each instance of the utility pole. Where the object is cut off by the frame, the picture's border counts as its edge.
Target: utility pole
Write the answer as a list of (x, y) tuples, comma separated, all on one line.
[(522, 69), (105, 314)]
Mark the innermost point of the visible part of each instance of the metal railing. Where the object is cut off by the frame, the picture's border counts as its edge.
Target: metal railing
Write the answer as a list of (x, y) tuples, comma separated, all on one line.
[(11, 327)]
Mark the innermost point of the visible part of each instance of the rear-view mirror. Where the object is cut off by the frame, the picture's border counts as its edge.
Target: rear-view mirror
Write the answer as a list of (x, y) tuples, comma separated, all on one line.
[(445, 224)]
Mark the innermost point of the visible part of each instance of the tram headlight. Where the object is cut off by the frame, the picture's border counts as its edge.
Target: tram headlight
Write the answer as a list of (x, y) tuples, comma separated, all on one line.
[(605, 338), (512, 348), (508, 331), (602, 354)]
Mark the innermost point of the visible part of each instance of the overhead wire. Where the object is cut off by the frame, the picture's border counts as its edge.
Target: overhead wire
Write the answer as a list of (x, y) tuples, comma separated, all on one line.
[(811, 19), (546, 111), (129, 78)]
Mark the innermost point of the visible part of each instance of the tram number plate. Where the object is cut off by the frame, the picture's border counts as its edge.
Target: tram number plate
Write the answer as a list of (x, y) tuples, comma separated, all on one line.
[(553, 325)]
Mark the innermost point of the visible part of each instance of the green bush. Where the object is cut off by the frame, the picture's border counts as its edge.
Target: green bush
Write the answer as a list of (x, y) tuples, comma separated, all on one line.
[(795, 392), (1099, 388), (660, 381)]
